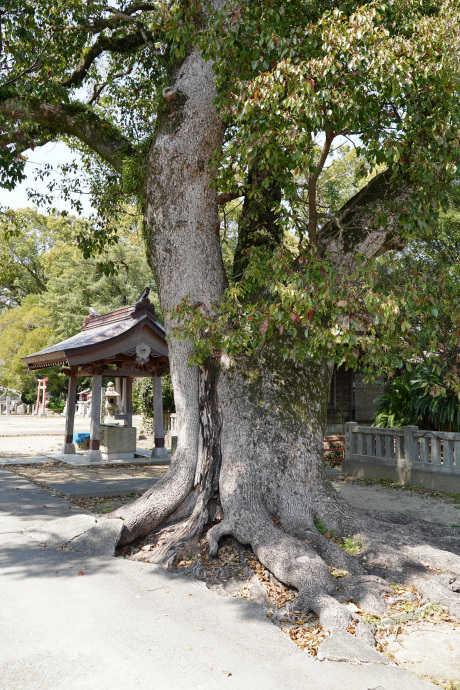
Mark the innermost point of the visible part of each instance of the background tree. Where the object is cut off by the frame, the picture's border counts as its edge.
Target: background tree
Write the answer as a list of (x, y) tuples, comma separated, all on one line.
[(25, 237), (47, 287), (171, 102), (426, 390), (23, 330)]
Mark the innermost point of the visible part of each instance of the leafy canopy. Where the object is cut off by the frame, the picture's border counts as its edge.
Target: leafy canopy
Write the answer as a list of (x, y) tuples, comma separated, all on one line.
[(294, 81), (288, 75)]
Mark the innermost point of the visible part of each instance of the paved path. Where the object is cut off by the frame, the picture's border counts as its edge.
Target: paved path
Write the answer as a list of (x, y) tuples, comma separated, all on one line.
[(124, 624)]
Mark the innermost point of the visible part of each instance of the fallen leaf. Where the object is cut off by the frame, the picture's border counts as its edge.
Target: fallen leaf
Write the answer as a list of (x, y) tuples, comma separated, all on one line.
[(80, 572), (226, 673)]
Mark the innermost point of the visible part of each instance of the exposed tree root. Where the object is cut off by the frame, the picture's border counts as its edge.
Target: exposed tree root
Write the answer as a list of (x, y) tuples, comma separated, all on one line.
[(144, 514), (422, 555), (332, 556)]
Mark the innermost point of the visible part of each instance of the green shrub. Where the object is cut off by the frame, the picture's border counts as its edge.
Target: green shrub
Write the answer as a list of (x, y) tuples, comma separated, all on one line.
[(423, 398)]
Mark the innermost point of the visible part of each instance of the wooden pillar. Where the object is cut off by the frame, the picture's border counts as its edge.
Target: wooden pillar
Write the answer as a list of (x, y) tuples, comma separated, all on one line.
[(119, 409), (128, 388), (94, 454), (68, 447), (122, 406), (159, 451)]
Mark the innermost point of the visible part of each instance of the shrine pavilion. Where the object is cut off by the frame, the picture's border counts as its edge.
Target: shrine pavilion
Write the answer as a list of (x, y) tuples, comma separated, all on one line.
[(124, 344)]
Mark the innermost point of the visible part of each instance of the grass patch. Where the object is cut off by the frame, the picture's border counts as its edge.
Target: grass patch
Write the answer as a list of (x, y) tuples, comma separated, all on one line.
[(351, 545)]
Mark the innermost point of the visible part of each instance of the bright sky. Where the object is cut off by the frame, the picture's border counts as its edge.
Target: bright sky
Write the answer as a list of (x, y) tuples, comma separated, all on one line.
[(53, 153)]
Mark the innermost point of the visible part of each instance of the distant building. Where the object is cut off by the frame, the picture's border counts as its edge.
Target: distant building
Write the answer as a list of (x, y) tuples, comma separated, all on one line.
[(350, 400)]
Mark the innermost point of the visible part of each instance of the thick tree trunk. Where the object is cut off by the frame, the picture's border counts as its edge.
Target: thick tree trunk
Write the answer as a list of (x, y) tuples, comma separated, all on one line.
[(249, 458), (257, 226), (182, 219)]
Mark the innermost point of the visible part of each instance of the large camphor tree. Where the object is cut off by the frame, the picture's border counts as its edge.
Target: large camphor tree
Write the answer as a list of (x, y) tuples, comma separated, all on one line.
[(190, 104)]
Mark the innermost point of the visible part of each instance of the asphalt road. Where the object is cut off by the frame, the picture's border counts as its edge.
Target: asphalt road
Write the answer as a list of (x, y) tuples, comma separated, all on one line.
[(71, 620)]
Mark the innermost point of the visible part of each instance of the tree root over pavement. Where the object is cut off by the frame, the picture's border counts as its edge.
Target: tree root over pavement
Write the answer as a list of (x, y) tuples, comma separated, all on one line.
[(321, 578)]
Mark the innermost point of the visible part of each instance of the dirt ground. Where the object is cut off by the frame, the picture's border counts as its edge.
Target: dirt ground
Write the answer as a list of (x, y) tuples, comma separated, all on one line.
[(387, 496), (56, 472)]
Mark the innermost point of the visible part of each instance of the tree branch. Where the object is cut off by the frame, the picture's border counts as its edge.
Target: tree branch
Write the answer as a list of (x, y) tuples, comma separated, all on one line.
[(36, 65), (77, 121), (357, 218), (103, 43), (40, 283), (312, 182), (101, 24), (98, 88), (225, 197)]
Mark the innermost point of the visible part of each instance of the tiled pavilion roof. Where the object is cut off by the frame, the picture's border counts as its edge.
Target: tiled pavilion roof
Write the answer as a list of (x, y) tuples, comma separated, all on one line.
[(103, 336)]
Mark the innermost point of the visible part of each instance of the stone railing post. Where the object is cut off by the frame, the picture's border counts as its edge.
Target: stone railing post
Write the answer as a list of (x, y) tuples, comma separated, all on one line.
[(349, 440), (410, 445)]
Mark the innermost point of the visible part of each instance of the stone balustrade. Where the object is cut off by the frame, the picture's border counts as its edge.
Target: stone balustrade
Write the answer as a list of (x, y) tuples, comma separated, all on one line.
[(410, 455)]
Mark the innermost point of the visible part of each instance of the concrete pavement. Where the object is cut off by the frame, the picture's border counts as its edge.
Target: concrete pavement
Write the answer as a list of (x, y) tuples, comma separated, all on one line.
[(69, 620)]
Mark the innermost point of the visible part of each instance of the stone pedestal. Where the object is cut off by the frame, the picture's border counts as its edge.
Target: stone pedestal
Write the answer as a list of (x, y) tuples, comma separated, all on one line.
[(118, 442)]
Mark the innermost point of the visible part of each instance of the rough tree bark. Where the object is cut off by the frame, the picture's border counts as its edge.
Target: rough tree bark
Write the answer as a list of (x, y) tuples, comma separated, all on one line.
[(249, 457)]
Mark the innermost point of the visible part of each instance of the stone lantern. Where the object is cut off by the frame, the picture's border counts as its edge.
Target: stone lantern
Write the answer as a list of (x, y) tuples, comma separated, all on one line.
[(111, 402)]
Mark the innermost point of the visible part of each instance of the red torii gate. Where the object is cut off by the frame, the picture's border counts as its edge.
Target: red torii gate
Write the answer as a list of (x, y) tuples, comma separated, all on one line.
[(41, 389)]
